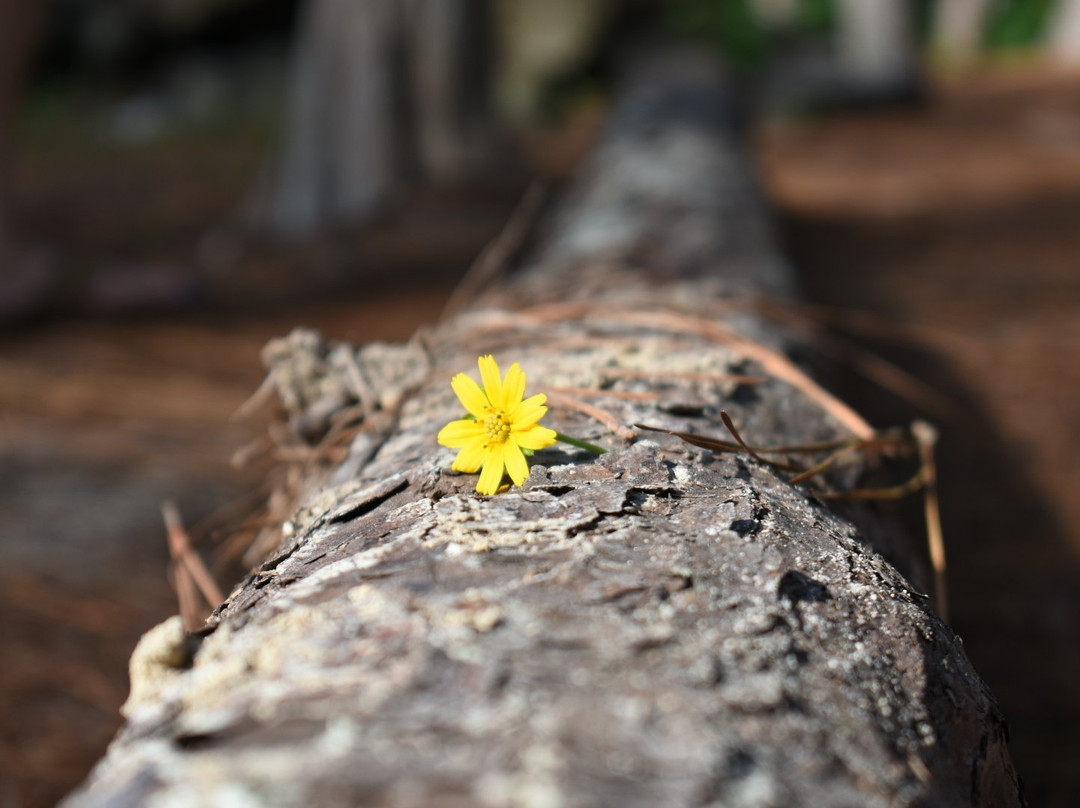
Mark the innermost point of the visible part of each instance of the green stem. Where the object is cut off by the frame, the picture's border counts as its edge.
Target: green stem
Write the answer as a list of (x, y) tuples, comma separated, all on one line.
[(581, 444)]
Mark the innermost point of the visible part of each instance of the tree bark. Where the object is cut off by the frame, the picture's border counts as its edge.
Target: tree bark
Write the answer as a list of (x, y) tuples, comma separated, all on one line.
[(659, 626)]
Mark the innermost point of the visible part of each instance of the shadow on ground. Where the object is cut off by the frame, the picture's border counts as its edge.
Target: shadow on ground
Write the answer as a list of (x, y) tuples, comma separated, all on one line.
[(1014, 575)]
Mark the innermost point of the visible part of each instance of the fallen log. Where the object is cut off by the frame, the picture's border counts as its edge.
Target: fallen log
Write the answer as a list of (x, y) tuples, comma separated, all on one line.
[(660, 625)]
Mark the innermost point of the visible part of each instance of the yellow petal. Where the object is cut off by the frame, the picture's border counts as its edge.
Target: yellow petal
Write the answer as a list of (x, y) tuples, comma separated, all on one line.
[(534, 437), (471, 457), (491, 476), (514, 386), (489, 373), (458, 433), (516, 465), (529, 411), (470, 395)]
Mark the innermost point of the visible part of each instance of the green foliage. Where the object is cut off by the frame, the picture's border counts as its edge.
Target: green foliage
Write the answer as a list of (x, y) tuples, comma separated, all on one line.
[(732, 27), (1017, 23), (729, 25), (816, 16)]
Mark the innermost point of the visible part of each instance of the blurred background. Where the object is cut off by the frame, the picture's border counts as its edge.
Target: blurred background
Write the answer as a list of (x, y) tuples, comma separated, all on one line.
[(181, 180)]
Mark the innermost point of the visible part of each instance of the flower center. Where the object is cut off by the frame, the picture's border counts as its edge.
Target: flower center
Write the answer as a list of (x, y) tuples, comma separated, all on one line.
[(497, 426)]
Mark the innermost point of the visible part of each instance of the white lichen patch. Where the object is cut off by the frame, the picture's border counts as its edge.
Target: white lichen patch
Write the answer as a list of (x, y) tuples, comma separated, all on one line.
[(157, 664), (263, 667), (508, 521)]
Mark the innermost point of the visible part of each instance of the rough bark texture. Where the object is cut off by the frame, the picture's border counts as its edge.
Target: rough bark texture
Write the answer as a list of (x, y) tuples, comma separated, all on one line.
[(659, 626)]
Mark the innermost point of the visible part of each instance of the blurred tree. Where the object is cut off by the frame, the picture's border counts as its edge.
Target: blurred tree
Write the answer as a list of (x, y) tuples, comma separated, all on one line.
[(539, 42), (876, 43), (24, 275), (776, 13), (389, 90), (958, 28), (385, 91), (380, 90), (1064, 35), (20, 22)]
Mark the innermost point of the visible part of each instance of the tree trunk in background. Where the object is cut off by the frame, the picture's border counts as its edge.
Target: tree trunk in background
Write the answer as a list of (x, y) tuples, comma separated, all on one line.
[(660, 626), (381, 91), (25, 276), (19, 33), (957, 29), (776, 14), (540, 41), (1064, 36), (876, 43)]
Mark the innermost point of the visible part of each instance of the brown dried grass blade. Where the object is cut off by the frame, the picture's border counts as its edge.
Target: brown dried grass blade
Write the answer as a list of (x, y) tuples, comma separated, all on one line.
[(775, 363), (716, 445), (606, 418), (496, 255), (702, 442), (815, 322), (888, 375), (746, 448), (826, 464), (666, 375), (926, 438), (187, 595), (900, 491), (191, 575), (262, 396), (589, 392), (881, 441)]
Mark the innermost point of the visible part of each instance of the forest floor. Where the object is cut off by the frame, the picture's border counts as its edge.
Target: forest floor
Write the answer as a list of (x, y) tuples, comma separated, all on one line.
[(953, 225)]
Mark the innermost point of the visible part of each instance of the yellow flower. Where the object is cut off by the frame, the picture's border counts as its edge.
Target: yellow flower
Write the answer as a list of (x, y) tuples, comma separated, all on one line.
[(503, 423)]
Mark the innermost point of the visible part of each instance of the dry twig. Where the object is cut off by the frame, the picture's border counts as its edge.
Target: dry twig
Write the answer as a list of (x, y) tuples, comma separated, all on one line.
[(191, 577), (495, 256)]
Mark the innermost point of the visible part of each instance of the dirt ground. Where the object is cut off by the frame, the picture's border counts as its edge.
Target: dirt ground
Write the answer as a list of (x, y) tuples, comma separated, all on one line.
[(955, 226)]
